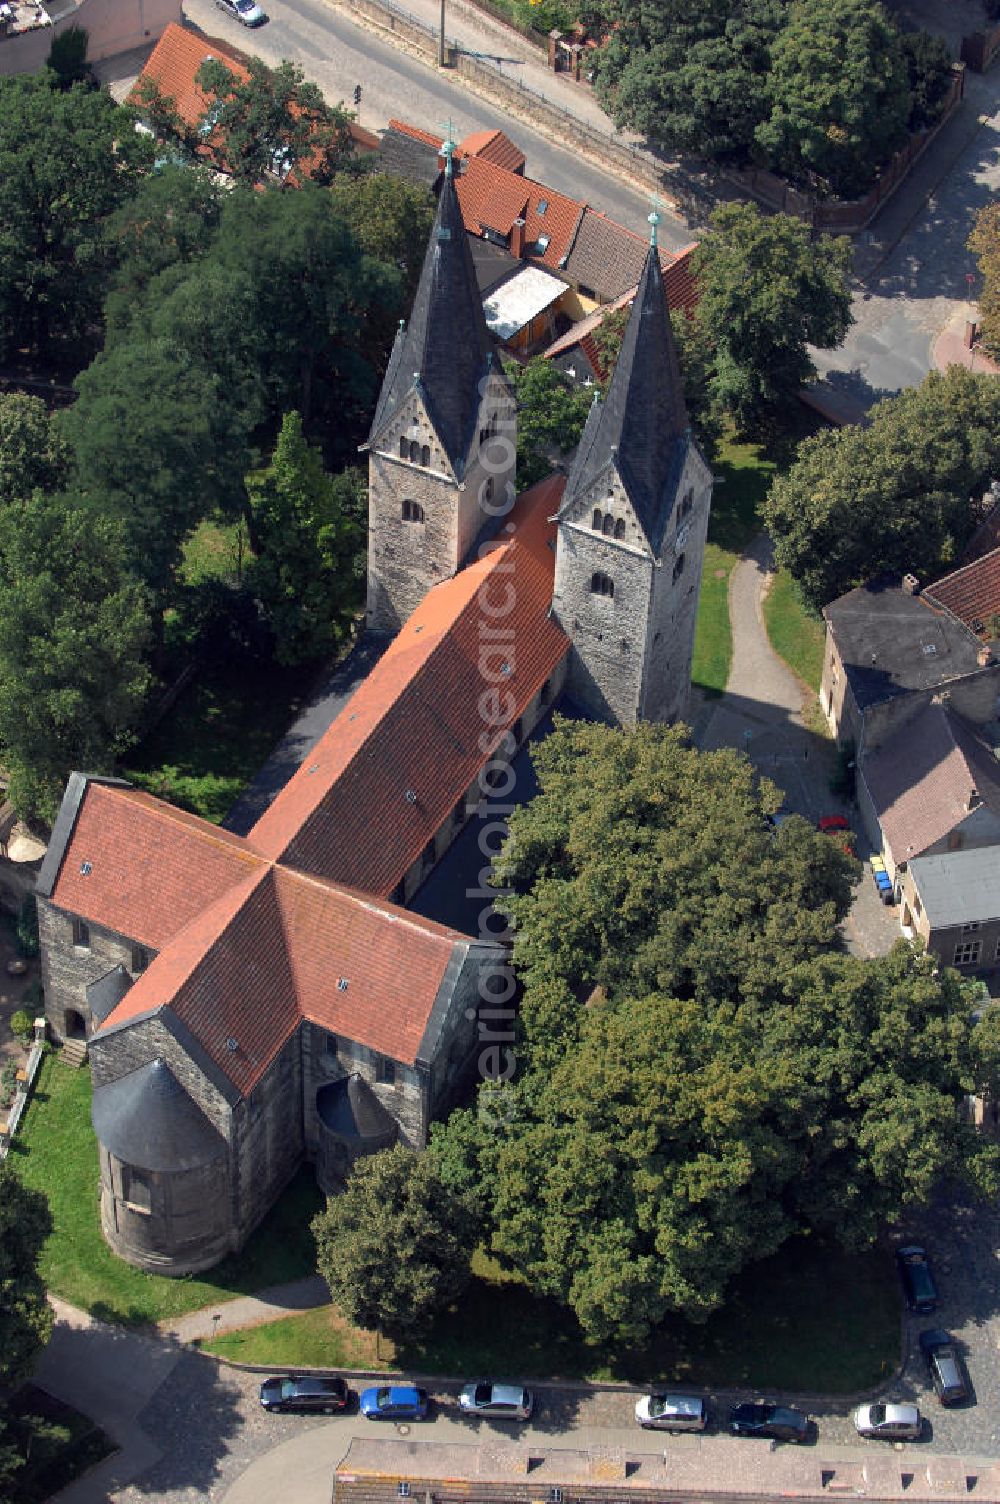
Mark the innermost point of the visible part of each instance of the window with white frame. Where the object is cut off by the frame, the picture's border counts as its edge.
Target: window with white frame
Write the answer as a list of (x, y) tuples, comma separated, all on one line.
[(967, 953)]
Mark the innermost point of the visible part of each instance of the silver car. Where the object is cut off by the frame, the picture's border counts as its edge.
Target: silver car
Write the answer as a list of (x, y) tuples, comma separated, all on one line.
[(889, 1422), (245, 11), (499, 1401), (672, 1412)]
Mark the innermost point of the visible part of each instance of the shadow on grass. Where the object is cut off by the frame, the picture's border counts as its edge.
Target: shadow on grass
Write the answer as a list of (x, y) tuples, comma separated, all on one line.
[(776, 1330)]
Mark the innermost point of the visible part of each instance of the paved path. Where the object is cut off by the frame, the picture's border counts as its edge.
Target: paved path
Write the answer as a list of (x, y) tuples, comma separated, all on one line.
[(761, 709), (247, 1310)]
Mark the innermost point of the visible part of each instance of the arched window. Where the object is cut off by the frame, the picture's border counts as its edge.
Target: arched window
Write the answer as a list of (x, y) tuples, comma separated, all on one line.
[(598, 519), (620, 528), (425, 455), (609, 525), (687, 503), (412, 511), (414, 451), (602, 584), (404, 448), (678, 567)]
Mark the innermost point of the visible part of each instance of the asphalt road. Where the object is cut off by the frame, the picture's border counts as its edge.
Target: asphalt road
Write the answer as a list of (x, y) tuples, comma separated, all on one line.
[(337, 55)]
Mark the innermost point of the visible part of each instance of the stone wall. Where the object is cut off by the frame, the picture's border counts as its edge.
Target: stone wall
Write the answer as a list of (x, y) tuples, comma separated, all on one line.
[(608, 633), (182, 1225), (405, 1097), (674, 603), (68, 969), (268, 1138), (112, 26), (406, 558)]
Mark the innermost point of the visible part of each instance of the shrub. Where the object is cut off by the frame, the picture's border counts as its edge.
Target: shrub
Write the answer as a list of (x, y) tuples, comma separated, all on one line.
[(27, 926), (22, 1024)]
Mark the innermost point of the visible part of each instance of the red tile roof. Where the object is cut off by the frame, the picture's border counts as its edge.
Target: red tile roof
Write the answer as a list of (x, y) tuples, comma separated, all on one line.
[(248, 947), (173, 66), (492, 198), (429, 138), (388, 772), (971, 593), (176, 864), (493, 146)]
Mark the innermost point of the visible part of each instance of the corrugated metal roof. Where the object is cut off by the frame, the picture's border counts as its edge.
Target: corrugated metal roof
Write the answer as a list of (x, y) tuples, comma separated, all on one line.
[(517, 301)]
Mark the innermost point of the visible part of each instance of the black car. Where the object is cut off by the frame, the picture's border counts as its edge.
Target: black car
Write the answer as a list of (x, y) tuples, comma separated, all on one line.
[(917, 1279), (767, 1419), (945, 1367), (308, 1393)]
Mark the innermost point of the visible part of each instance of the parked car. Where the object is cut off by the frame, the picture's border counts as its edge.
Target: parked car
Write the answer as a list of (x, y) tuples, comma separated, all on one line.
[(247, 12), (889, 1422), (672, 1412), (840, 828), (767, 1419), (501, 1401), (946, 1369), (917, 1279), (393, 1402), (308, 1393)]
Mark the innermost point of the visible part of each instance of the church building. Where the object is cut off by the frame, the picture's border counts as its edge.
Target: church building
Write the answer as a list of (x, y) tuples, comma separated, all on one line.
[(251, 1002)]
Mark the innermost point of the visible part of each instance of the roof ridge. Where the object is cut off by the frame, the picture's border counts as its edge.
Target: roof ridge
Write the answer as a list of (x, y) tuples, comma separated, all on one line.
[(393, 912), (954, 573)]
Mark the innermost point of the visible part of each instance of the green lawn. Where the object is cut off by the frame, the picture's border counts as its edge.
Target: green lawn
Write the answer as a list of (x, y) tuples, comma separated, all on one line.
[(60, 1444), (743, 476), (810, 1319), (56, 1153), (797, 634)]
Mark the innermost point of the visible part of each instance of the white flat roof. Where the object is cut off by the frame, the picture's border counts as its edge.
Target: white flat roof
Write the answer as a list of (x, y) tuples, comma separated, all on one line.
[(516, 302)]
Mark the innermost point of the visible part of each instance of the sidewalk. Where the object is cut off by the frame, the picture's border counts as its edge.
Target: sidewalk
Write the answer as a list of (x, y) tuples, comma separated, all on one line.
[(950, 348), (247, 1310)]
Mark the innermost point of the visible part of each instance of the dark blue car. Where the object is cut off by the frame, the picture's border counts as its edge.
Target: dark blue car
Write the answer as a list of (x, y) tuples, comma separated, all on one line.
[(394, 1402), (917, 1279)]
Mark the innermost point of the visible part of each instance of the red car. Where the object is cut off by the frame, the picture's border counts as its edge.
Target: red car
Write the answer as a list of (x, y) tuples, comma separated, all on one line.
[(832, 822)]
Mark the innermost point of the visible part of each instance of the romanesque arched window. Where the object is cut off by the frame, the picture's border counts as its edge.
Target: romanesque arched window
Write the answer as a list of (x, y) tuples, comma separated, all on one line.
[(602, 584), (620, 528), (425, 455), (609, 525), (598, 520), (678, 567), (404, 448), (686, 504), (412, 511), (415, 451)]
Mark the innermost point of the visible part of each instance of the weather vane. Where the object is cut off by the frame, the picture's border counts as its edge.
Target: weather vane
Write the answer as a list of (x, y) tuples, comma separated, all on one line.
[(654, 217)]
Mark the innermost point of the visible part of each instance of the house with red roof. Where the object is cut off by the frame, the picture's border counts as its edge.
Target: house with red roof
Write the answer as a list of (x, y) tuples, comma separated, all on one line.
[(252, 1001)]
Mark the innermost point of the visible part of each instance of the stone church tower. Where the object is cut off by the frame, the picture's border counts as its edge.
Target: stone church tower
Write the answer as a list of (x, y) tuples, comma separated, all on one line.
[(442, 444), (632, 524)]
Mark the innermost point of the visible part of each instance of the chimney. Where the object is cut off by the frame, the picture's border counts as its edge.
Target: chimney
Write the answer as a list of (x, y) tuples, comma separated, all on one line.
[(517, 238), (911, 584)]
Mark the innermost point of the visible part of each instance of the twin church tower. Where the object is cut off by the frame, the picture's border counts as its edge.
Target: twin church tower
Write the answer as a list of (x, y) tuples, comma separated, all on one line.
[(631, 524)]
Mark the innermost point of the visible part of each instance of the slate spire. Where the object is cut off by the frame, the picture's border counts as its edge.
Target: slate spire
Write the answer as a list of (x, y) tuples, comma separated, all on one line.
[(641, 427), (445, 347)]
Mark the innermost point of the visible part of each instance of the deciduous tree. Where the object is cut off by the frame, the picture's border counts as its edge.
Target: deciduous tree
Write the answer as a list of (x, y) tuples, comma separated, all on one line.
[(272, 127), (768, 290), (898, 496), (550, 417), (985, 243), (74, 631), (68, 159), (310, 538), (25, 1317), (394, 1246), (33, 453)]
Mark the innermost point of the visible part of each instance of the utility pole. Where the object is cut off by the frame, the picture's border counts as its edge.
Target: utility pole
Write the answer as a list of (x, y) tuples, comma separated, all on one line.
[(441, 39)]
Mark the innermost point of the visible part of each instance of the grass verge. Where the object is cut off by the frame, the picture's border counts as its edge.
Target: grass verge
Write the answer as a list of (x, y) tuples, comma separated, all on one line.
[(58, 1444), (742, 478), (796, 633), (774, 1332), (56, 1153)]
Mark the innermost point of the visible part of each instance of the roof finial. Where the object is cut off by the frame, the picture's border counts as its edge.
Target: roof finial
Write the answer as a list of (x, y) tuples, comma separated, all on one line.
[(654, 218), (448, 147), (402, 326)]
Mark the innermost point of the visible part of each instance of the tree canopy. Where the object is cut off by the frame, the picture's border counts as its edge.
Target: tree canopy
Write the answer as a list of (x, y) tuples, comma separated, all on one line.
[(767, 291), (822, 91), (550, 417), (985, 243), (33, 454), (309, 539), (394, 1246), (68, 159), (74, 632), (702, 1073), (899, 496)]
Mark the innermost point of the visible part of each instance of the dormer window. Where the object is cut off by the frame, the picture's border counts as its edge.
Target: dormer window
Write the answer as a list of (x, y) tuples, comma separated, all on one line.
[(602, 584)]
